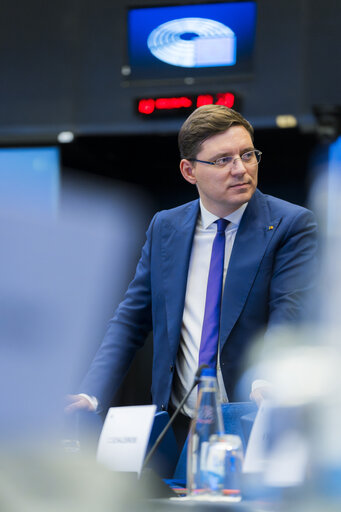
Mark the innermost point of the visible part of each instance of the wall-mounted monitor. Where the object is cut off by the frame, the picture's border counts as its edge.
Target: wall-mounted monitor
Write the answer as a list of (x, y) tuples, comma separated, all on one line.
[(196, 40)]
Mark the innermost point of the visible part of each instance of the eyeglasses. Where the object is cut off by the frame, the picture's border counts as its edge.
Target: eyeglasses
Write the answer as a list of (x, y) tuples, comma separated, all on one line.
[(250, 158)]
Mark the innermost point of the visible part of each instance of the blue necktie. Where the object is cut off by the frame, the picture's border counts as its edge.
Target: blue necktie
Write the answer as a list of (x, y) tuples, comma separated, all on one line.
[(210, 329)]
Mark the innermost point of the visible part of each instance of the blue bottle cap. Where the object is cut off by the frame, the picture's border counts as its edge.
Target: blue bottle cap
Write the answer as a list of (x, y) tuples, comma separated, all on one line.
[(209, 372)]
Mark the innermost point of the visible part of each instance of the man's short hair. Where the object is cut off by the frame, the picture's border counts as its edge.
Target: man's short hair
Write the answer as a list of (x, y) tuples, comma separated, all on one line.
[(205, 122)]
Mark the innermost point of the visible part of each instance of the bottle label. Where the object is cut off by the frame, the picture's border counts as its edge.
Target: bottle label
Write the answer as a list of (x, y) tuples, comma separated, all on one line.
[(206, 414)]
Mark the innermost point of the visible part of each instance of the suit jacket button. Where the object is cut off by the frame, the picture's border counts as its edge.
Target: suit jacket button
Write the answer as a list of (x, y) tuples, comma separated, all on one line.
[(163, 408), (171, 368)]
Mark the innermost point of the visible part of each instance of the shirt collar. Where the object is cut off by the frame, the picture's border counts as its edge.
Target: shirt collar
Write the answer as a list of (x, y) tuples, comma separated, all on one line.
[(207, 218)]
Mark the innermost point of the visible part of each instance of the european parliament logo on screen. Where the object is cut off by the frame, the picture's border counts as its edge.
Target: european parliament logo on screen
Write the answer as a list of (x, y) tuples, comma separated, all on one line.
[(166, 42), (193, 42)]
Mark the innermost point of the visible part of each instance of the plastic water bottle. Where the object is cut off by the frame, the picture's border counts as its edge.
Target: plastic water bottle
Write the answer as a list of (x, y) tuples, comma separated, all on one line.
[(208, 421)]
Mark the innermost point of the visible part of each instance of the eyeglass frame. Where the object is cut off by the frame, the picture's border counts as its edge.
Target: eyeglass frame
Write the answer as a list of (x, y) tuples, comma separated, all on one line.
[(230, 159)]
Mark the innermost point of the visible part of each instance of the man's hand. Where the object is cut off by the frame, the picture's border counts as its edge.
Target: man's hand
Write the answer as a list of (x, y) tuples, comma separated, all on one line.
[(78, 402), (258, 394)]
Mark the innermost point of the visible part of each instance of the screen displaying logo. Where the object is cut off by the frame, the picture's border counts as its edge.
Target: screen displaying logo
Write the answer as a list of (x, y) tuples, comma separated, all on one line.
[(193, 42), (206, 39)]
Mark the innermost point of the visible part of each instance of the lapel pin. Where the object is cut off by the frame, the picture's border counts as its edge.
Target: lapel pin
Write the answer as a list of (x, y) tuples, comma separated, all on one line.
[(271, 227)]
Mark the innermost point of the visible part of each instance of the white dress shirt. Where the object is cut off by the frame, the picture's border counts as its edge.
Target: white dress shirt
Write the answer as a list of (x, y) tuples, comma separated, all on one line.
[(188, 353)]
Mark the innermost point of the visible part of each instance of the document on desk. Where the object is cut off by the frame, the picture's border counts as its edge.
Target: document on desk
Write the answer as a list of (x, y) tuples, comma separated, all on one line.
[(279, 453), (124, 438), (255, 456)]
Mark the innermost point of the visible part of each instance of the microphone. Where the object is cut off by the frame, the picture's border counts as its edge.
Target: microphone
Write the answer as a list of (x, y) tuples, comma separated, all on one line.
[(197, 378)]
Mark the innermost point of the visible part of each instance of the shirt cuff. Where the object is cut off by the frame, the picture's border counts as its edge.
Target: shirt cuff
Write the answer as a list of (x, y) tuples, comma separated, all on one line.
[(92, 399), (259, 383)]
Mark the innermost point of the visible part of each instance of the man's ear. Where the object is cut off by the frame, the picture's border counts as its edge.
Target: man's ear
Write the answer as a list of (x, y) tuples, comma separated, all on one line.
[(188, 171)]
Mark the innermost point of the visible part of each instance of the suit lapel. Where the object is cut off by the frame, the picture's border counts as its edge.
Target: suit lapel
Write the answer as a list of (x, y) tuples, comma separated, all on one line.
[(177, 238), (253, 236)]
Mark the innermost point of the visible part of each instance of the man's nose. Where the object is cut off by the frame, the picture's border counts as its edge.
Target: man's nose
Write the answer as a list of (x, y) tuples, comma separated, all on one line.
[(238, 166)]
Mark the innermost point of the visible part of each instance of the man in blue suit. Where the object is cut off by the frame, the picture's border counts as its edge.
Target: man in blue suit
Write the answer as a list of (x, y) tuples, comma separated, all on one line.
[(269, 248)]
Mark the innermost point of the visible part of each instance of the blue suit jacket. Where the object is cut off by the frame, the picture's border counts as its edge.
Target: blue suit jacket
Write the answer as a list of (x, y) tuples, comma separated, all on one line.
[(267, 282)]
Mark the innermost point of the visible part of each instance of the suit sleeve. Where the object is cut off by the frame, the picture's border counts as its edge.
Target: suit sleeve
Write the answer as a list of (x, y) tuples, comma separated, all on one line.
[(125, 334), (292, 287), (293, 284)]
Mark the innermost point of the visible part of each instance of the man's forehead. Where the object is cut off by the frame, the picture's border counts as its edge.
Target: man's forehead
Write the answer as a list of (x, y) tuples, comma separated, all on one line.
[(232, 134)]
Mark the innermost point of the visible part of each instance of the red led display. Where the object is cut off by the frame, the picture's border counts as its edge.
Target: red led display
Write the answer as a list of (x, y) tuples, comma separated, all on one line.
[(225, 98), (170, 103), (182, 104), (204, 99)]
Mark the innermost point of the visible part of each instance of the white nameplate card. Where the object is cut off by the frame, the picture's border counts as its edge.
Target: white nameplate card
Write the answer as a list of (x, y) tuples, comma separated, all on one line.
[(123, 442), (256, 453), (283, 461)]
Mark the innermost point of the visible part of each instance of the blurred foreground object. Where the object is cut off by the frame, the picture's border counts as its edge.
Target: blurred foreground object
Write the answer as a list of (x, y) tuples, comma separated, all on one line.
[(60, 277), (53, 482), (300, 459)]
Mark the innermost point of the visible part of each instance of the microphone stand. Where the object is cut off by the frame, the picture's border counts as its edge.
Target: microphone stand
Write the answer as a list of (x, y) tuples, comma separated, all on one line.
[(176, 412)]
